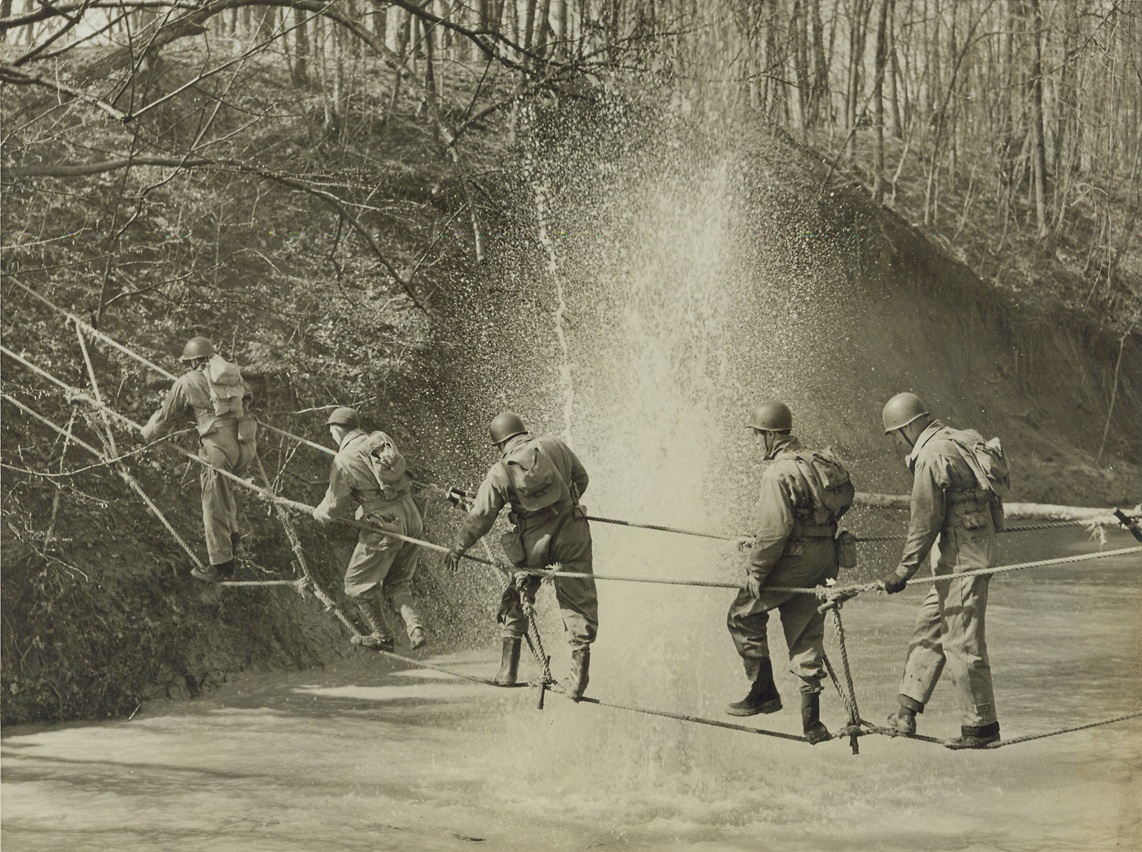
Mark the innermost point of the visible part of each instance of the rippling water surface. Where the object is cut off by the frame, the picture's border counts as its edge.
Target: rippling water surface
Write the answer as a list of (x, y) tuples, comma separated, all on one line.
[(364, 756)]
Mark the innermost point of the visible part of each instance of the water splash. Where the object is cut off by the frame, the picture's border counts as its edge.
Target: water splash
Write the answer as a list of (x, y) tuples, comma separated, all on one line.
[(566, 385)]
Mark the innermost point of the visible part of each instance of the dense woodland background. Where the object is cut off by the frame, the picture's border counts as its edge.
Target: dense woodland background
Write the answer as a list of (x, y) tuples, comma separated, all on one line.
[(322, 186)]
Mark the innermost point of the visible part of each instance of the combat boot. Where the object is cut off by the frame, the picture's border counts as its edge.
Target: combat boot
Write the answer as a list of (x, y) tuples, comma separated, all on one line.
[(903, 721), (417, 638), (369, 605), (975, 736), (206, 573), (577, 678), (815, 731), (226, 569), (509, 663), (763, 696)]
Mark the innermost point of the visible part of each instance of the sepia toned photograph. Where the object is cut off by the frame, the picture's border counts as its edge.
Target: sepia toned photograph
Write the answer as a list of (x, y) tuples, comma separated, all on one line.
[(435, 425)]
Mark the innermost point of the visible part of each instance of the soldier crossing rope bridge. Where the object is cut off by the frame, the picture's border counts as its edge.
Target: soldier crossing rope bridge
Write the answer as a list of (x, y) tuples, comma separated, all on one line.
[(541, 568)]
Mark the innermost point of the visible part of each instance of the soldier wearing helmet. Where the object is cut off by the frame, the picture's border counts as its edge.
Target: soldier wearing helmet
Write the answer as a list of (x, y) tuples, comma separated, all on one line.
[(803, 496), (227, 435), (541, 479), (370, 473), (948, 510)]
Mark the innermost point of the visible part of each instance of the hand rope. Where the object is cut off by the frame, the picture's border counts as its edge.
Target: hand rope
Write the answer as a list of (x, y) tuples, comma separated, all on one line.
[(871, 500), (306, 509)]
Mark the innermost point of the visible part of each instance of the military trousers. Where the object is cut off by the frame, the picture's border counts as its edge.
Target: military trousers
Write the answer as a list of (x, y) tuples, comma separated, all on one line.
[(222, 450), (380, 560), (804, 564), (949, 629), (576, 596)]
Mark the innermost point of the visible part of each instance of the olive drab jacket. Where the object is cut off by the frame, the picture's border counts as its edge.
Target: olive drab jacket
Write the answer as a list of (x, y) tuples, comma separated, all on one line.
[(945, 492), (370, 473), (191, 392), (496, 490), (787, 511)]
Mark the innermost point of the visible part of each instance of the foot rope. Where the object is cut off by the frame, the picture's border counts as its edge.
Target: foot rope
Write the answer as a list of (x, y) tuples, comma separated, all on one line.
[(112, 458)]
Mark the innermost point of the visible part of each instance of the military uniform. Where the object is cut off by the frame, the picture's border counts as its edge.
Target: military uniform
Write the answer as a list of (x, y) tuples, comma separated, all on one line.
[(381, 489), (793, 546), (228, 442), (556, 534), (951, 513)]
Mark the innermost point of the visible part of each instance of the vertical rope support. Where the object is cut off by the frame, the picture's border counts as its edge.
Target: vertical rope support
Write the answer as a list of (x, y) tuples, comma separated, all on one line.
[(103, 407), (130, 480), (295, 543), (50, 535), (854, 711), (533, 636)]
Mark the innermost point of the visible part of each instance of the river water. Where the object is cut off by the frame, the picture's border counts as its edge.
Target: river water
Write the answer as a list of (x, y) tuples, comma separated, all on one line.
[(369, 755)]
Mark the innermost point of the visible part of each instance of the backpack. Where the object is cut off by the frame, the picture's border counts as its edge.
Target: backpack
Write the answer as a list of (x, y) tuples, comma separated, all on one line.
[(534, 478), (226, 385), (989, 464), (388, 466), (828, 480)]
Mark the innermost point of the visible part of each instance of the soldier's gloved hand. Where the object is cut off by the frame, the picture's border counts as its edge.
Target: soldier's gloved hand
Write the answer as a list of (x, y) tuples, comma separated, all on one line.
[(744, 543), (452, 558), (894, 583), (753, 585)]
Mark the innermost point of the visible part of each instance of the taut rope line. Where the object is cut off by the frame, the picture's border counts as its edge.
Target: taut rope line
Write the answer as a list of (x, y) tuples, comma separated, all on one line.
[(1090, 516), (306, 583), (304, 508)]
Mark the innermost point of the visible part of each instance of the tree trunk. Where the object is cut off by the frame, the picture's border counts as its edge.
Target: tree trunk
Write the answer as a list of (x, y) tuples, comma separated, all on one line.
[(300, 71), (819, 94), (1038, 144), (542, 25), (894, 79), (799, 33), (878, 102)]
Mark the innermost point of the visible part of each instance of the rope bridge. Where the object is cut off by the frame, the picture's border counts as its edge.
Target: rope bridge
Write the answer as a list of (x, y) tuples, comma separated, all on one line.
[(833, 598)]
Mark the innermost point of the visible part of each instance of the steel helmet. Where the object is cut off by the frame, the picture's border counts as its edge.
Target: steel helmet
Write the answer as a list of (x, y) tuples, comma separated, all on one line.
[(901, 410), (771, 416), (344, 416), (506, 424), (197, 347)]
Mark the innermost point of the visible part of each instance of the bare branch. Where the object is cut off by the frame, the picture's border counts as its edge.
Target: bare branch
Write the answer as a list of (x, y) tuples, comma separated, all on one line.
[(339, 204), (10, 74)]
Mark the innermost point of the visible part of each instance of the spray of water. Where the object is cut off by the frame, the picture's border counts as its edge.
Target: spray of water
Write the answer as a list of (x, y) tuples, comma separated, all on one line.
[(566, 385), (683, 281)]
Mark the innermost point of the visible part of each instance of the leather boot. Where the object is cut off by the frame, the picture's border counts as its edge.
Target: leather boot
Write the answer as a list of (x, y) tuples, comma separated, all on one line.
[(509, 662), (207, 573), (763, 696), (815, 732), (371, 607), (903, 721), (417, 638), (975, 736), (577, 678)]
